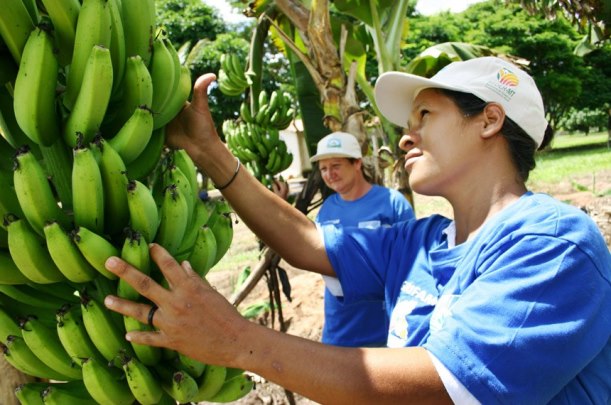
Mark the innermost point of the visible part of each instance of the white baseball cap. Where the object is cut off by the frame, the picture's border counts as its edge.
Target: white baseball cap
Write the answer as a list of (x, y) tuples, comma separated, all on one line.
[(337, 144), (490, 78)]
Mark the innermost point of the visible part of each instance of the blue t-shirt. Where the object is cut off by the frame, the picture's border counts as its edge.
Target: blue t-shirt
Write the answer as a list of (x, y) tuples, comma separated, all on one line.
[(520, 314), (364, 323)]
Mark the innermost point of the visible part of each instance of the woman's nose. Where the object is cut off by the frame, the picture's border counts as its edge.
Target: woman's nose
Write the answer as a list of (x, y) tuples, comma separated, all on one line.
[(406, 142)]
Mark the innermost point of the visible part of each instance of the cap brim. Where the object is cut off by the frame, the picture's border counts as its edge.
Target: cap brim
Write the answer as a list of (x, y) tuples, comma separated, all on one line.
[(395, 93), (316, 158)]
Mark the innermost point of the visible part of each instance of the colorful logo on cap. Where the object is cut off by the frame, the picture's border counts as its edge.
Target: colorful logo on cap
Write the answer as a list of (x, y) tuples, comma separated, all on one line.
[(334, 143), (506, 77)]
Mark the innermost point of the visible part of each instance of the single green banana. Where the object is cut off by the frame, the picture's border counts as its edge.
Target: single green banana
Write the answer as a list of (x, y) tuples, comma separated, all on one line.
[(105, 383), (58, 160), (87, 190), (93, 28), (177, 99), (34, 192), (194, 368), (222, 229), (117, 43), (174, 175), (180, 386), (141, 380), (135, 251), (234, 389), (210, 382), (203, 255), (90, 105), (96, 249), (15, 26), (38, 72), (19, 355), (64, 16), (31, 296), (134, 135), (200, 217), (139, 25), (10, 131), (148, 355), (73, 336), (173, 219), (30, 254), (114, 181), (143, 213), (148, 160), (9, 272), (45, 343), (181, 158), (20, 310), (237, 69), (59, 394), (106, 335), (66, 255), (136, 90), (245, 113), (33, 11), (8, 325), (165, 72), (30, 393)]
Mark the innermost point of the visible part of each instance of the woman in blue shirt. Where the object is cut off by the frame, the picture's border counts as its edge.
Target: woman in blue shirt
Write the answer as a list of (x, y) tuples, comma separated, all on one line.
[(507, 303)]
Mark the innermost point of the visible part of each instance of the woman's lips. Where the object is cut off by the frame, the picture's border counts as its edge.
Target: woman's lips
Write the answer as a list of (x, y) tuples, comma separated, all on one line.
[(411, 157)]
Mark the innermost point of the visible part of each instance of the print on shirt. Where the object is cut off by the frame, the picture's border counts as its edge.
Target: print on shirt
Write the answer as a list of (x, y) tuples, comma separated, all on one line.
[(410, 298)]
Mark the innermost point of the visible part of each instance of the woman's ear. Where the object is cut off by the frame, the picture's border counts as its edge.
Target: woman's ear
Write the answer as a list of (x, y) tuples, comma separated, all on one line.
[(494, 118)]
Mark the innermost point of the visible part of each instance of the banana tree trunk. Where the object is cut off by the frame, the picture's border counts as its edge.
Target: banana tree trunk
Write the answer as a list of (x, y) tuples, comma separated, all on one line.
[(11, 378)]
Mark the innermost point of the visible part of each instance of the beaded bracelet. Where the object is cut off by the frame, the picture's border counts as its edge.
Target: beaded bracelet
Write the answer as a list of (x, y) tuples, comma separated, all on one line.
[(235, 174)]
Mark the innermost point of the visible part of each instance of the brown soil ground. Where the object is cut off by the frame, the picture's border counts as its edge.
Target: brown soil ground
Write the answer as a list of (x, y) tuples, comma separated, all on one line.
[(304, 313)]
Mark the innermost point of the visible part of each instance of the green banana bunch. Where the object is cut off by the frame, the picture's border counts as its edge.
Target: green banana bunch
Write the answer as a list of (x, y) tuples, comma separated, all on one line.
[(44, 342), (91, 102), (15, 26), (64, 16), (232, 80), (105, 383), (93, 28), (38, 72)]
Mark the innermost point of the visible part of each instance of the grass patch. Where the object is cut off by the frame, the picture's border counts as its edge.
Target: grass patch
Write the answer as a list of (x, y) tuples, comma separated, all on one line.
[(576, 141)]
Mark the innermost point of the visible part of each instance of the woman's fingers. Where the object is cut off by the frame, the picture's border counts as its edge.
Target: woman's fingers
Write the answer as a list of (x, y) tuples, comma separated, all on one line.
[(172, 271), (200, 92), (142, 283)]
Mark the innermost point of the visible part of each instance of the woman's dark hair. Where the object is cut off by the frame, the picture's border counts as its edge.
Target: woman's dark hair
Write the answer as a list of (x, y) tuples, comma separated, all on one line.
[(521, 146)]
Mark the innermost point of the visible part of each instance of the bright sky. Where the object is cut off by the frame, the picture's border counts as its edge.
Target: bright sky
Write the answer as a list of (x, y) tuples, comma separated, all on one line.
[(426, 7)]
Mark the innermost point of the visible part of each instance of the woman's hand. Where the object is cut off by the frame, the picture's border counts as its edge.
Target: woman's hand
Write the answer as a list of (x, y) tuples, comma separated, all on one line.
[(191, 318), (193, 128)]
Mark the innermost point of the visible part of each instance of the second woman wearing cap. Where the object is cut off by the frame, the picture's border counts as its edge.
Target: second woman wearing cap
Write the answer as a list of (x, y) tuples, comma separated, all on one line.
[(506, 303)]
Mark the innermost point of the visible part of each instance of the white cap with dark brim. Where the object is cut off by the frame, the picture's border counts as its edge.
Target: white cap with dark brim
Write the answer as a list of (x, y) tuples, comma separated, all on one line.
[(490, 78)]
